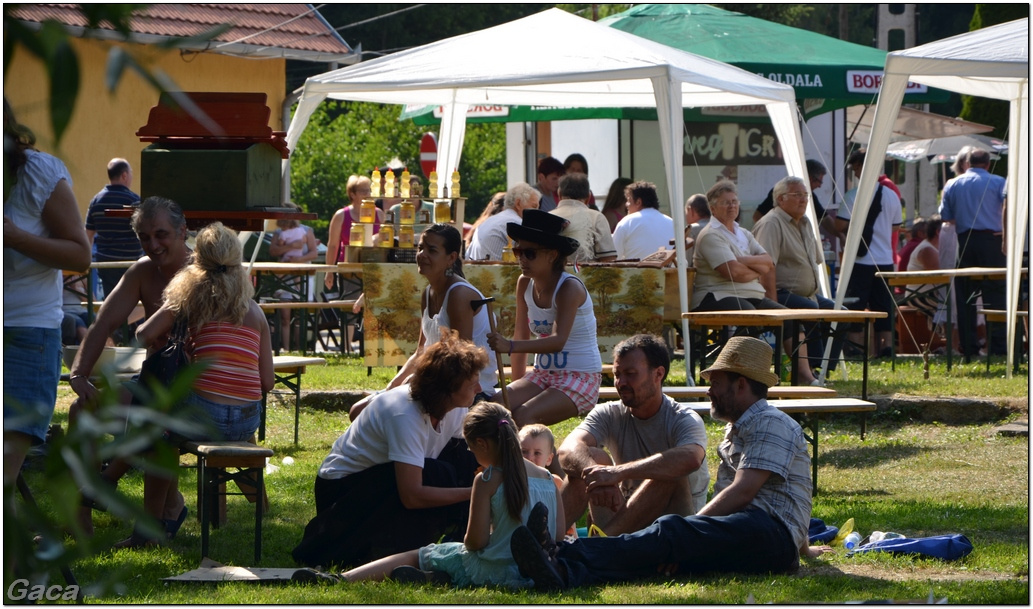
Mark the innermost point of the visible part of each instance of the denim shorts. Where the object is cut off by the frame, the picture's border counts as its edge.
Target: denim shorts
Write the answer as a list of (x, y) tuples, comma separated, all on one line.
[(32, 367), (233, 422)]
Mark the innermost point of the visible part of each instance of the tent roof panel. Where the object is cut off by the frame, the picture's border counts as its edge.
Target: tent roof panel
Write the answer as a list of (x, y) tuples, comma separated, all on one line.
[(580, 63)]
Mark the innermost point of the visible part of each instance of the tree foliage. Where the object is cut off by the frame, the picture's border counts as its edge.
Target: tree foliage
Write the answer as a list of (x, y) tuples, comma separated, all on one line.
[(345, 138), (982, 109)]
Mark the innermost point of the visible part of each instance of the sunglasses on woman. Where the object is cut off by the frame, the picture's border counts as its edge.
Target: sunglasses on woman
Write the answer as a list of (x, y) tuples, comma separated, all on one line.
[(527, 252)]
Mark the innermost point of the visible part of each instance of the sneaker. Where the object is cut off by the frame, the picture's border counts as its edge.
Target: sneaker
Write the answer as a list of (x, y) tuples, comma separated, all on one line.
[(534, 562), (411, 575), (538, 523)]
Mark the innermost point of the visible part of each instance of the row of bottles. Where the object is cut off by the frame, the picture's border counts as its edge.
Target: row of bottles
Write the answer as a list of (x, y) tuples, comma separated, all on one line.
[(406, 212), (404, 188), (406, 235)]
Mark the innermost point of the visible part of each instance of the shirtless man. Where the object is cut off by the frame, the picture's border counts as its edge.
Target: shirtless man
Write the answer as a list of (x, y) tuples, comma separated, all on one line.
[(161, 227)]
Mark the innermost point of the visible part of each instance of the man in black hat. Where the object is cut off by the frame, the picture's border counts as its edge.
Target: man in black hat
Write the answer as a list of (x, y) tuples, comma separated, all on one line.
[(757, 521)]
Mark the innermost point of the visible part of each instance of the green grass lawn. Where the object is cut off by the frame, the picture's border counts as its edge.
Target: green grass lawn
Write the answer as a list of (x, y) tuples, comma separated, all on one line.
[(914, 478)]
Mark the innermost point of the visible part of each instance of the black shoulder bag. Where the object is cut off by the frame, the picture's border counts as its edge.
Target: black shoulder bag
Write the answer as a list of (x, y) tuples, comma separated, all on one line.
[(163, 365)]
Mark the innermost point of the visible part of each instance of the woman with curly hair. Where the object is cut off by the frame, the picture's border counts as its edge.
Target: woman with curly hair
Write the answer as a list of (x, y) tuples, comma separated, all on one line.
[(400, 476), (228, 333)]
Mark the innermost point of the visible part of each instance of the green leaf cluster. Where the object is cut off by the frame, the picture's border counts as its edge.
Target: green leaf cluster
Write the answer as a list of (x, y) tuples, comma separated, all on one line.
[(52, 45), (346, 138)]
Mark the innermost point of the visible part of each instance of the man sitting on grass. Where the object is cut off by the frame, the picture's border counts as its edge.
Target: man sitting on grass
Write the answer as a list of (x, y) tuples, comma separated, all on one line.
[(632, 461), (756, 523)]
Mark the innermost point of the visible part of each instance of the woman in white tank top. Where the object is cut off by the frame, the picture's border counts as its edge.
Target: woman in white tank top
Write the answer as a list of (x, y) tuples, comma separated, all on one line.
[(446, 304), (557, 308)]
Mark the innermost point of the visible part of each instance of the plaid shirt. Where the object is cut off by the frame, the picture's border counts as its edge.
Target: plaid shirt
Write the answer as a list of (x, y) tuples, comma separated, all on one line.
[(768, 439)]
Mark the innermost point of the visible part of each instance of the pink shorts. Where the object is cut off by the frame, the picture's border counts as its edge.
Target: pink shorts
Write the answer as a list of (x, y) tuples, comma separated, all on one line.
[(581, 387)]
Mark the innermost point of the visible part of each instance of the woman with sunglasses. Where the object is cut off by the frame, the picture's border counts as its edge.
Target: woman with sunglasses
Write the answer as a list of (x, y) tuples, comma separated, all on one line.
[(558, 310)]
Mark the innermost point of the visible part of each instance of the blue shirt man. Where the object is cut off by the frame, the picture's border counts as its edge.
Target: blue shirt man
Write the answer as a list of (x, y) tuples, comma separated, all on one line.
[(974, 202), (113, 237)]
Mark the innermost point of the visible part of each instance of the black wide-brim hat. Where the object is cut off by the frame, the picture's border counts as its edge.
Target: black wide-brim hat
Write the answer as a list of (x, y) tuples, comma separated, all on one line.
[(544, 229)]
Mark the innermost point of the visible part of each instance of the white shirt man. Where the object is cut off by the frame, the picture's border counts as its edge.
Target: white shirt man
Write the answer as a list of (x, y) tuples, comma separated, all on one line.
[(644, 230)]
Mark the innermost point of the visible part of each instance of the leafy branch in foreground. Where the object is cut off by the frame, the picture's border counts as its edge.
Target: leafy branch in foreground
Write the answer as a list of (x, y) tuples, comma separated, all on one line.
[(50, 42), (34, 545)]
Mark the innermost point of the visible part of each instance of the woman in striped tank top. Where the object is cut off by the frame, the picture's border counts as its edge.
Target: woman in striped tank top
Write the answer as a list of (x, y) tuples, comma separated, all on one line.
[(228, 333)]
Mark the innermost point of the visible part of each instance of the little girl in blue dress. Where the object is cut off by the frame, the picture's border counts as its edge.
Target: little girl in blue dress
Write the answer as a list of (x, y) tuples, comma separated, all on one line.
[(501, 500)]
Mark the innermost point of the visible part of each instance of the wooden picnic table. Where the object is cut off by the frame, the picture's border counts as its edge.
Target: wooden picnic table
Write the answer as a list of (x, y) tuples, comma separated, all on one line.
[(935, 277), (288, 370), (306, 308), (997, 316), (774, 318), (292, 278)]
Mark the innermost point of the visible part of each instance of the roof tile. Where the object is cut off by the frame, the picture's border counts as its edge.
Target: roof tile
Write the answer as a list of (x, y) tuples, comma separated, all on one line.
[(290, 27)]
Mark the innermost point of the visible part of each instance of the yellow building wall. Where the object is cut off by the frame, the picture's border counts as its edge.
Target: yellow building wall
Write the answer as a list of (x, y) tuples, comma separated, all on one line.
[(104, 124)]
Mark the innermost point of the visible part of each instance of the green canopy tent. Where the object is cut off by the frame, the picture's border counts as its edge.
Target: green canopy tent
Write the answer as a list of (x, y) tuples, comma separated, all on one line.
[(827, 73)]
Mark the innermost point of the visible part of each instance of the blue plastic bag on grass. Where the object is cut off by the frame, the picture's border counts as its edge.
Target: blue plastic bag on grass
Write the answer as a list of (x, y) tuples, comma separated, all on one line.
[(819, 532), (947, 547)]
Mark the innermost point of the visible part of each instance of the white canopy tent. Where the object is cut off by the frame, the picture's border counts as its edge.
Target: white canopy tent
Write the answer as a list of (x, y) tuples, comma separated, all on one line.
[(991, 62), (554, 58)]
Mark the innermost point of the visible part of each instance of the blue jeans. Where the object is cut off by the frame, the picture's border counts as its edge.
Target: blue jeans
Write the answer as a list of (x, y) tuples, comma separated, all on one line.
[(32, 367), (815, 332), (231, 422), (750, 541)]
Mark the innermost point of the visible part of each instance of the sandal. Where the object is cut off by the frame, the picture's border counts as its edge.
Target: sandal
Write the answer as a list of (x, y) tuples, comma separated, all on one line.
[(172, 526)]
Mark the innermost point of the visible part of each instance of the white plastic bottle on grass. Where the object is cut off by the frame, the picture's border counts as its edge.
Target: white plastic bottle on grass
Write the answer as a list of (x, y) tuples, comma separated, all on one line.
[(852, 540)]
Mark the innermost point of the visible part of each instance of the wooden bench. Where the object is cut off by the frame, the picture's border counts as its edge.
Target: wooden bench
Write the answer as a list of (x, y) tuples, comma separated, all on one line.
[(608, 394), (214, 460), (807, 413), (999, 317), (288, 370)]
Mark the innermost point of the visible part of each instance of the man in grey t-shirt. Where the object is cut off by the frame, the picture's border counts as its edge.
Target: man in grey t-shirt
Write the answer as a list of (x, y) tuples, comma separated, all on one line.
[(632, 461)]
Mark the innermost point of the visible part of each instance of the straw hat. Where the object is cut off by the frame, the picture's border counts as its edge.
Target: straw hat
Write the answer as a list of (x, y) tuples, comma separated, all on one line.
[(750, 357)]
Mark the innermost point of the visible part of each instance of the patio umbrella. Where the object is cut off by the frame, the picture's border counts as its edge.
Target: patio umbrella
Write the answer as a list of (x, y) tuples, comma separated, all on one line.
[(944, 149)]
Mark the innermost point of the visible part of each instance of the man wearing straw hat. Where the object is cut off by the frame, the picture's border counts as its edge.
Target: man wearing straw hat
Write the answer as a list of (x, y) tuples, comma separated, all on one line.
[(757, 521)]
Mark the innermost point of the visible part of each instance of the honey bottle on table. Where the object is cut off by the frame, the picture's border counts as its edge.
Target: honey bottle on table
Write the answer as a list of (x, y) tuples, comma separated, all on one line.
[(404, 186), (389, 184), (442, 212), (407, 213), (367, 211), (375, 183), (432, 184), (387, 235), (455, 184), (406, 236), (356, 235)]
